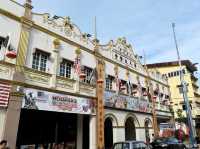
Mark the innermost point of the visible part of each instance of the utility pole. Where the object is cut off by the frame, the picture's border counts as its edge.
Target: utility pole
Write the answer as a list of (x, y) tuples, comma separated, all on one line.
[(184, 90)]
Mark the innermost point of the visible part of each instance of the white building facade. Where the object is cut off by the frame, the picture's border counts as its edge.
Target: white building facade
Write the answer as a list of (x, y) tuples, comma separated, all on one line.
[(49, 93)]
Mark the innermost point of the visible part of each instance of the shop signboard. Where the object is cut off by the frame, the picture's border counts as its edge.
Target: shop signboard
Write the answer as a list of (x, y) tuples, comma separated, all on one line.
[(166, 129), (111, 99), (48, 101)]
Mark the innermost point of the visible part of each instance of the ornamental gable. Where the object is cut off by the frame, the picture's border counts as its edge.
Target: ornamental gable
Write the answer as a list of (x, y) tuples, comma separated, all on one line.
[(64, 27)]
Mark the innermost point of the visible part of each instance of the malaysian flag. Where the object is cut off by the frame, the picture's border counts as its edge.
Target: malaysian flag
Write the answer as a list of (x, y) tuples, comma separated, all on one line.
[(4, 94), (77, 65)]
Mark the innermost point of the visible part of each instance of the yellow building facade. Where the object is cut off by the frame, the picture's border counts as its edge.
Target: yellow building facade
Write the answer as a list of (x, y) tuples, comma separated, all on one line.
[(172, 71)]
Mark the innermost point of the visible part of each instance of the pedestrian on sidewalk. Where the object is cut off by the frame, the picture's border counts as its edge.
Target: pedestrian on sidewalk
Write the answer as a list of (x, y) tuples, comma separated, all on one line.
[(3, 144)]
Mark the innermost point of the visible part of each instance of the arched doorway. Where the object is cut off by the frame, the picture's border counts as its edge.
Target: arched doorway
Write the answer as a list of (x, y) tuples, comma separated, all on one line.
[(108, 133), (146, 127), (130, 132)]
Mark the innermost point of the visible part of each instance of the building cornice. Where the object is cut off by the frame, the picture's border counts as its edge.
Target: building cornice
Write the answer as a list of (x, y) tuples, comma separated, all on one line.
[(10, 15)]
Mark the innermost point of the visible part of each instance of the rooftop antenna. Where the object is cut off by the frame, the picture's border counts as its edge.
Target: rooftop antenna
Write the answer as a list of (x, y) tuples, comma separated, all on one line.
[(96, 41), (184, 90)]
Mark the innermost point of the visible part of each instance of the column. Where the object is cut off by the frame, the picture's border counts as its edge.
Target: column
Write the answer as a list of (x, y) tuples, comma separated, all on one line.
[(140, 134), (2, 121), (118, 134), (55, 65), (15, 101), (12, 118), (79, 141), (114, 134), (92, 132)]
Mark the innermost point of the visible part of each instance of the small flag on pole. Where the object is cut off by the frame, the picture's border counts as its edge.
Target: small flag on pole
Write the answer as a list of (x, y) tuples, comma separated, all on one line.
[(77, 65)]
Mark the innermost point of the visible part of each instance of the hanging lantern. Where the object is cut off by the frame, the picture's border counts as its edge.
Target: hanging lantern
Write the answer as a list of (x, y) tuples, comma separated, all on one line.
[(100, 81), (11, 54), (145, 94), (154, 97), (123, 87), (82, 76)]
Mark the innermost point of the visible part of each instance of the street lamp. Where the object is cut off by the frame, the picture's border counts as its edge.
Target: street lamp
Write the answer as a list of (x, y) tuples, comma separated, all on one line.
[(184, 90)]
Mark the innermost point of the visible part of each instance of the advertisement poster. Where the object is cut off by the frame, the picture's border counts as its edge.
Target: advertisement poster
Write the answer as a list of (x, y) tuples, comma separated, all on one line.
[(166, 129), (126, 102), (48, 101)]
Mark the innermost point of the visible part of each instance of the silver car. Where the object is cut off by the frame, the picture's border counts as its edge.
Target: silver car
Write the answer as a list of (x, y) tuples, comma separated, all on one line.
[(130, 145)]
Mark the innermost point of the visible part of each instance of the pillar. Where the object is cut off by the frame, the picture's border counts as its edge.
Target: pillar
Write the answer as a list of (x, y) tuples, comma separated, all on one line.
[(140, 134), (92, 132), (15, 100), (12, 119), (55, 65), (79, 141), (2, 121), (118, 134)]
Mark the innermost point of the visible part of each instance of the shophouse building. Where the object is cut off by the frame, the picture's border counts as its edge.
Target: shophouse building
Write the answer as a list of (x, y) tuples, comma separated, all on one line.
[(59, 85)]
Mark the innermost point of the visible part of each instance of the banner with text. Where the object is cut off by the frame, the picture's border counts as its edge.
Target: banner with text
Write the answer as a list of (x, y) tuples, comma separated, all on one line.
[(126, 102), (48, 101)]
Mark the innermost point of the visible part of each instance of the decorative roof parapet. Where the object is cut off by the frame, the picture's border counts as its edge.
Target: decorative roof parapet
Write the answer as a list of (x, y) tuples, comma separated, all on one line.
[(65, 26), (121, 46)]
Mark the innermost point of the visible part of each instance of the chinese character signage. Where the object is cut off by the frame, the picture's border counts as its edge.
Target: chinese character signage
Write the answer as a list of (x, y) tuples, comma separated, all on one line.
[(126, 102), (48, 101)]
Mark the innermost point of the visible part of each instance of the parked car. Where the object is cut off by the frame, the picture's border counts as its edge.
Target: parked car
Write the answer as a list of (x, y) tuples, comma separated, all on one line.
[(130, 145), (167, 143)]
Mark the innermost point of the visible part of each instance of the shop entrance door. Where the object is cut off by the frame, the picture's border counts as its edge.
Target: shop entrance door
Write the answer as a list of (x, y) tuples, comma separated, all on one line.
[(49, 129), (130, 133)]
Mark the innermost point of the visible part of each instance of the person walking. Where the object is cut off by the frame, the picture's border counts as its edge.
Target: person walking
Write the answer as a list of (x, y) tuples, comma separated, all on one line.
[(3, 144)]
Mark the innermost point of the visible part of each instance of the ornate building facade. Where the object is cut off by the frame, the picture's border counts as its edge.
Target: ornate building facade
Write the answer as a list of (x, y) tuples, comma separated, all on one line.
[(58, 85)]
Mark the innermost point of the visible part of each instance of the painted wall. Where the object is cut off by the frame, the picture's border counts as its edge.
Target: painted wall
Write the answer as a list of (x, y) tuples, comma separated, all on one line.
[(177, 97)]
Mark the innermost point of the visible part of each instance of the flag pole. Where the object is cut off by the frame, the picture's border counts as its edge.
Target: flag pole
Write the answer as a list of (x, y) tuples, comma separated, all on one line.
[(184, 89)]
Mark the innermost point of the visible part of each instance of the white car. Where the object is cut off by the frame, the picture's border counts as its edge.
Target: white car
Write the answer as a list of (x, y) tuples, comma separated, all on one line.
[(130, 145)]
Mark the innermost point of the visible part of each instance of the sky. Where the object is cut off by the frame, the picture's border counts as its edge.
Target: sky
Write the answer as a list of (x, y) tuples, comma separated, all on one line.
[(146, 24)]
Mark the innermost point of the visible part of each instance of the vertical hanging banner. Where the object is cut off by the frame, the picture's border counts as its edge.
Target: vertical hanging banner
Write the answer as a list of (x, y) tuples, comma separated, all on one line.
[(100, 105)]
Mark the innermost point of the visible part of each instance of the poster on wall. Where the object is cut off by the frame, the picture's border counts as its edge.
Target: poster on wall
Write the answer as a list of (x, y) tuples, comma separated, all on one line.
[(125, 102), (166, 129), (48, 101)]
